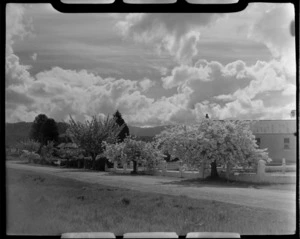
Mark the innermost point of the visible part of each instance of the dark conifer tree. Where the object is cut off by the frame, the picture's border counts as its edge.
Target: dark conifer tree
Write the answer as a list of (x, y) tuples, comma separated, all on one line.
[(49, 131), (35, 131), (43, 130), (120, 121)]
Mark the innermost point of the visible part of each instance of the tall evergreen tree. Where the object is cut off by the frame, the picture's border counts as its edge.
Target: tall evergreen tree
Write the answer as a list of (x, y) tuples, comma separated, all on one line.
[(35, 131), (43, 130), (120, 121), (49, 131)]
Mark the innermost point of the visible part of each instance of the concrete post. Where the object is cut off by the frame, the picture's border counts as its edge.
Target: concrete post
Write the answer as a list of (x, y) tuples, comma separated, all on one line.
[(202, 170), (283, 166), (181, 170), (163, 168), (115, 165), (261, 167), (125, 167)]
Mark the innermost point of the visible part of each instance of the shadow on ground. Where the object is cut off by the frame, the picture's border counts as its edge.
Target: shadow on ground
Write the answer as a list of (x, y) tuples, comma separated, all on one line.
[(224, 183)]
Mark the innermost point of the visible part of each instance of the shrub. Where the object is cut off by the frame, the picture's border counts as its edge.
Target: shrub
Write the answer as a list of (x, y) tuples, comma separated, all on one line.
[(29, 145)]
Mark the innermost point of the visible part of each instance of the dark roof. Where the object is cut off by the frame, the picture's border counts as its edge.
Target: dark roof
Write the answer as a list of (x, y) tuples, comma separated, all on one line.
[(274, 127)]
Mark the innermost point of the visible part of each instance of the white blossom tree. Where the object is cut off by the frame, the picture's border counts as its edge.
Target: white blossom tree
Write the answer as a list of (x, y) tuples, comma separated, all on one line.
[(212, 142), (139, 152), (90, 135)]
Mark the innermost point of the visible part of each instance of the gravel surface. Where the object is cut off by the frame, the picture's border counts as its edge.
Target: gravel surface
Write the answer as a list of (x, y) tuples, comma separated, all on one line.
[(249, 196)]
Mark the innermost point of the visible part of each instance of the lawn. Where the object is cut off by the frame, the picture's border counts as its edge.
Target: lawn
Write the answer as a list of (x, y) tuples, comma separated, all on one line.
[(48, 205)]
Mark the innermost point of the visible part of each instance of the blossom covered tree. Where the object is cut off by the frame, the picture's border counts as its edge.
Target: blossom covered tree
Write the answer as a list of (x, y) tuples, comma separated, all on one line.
[(90, 135), (212, 142), (139, 152)]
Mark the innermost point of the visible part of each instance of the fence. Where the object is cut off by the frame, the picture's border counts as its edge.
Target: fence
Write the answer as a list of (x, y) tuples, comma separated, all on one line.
[(260, 174)]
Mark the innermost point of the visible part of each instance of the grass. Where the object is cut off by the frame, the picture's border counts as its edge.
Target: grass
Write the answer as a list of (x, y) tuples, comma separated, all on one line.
[(47, 205), (224, 183)]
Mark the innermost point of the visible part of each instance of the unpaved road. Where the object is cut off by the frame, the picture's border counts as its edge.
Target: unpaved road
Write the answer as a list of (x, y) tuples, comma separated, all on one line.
[(260, 198)]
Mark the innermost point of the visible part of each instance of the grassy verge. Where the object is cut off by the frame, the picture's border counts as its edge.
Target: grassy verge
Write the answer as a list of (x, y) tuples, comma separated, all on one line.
[(48, 205)]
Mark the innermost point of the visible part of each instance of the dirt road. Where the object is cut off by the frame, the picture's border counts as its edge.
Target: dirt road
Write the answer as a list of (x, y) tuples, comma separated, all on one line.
[(260, 198)]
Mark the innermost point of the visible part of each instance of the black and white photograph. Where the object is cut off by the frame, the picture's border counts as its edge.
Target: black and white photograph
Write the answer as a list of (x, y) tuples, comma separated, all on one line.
[(170, 123)]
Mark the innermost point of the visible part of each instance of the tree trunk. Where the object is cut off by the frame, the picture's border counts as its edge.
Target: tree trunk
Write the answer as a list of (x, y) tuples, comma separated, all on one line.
[(214, 171), (134, 167), (84, 162), (94, 162), (102, 163)]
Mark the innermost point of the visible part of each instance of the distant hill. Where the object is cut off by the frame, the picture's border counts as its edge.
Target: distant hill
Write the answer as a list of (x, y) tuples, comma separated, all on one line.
[(15, 132)]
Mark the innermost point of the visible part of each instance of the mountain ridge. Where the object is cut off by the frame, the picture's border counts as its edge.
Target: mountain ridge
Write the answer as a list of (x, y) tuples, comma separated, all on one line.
[(15, 132)]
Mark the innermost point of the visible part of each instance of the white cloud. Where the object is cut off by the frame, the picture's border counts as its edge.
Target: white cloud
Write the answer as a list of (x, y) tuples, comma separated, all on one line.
[(146, 84), (175, 33), (221, 90), (34, 56), (290, 89), (267, 77), (15, 25), (273, 29)]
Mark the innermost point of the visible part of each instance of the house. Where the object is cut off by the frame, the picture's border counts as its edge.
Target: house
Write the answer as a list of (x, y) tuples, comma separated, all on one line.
[(279, 137)]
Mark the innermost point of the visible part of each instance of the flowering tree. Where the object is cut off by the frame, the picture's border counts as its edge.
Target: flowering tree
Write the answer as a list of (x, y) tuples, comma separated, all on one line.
[(136, 151), (212, 142), (90, 135)]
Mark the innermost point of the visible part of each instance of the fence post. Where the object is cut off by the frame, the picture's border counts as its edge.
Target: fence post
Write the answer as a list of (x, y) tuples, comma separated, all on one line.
[(115, 165), (125, 167), (261, 167), (283, 166), (181, 170), (164, 168), (202, 170)]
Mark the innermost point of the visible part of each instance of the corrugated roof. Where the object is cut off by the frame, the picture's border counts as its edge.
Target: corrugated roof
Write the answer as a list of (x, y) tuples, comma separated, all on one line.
[(274, 127)]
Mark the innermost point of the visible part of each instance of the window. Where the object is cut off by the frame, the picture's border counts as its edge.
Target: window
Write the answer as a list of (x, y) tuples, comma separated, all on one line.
[(286, 143), (258, 142)]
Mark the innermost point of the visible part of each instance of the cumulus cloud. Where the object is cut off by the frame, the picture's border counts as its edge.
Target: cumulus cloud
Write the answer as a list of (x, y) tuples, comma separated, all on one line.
[(273, 29), (34, 56), (146, 84), (244, 108), (178, 34), (244, 84), (266, 77), (15, 25), (221, 90)]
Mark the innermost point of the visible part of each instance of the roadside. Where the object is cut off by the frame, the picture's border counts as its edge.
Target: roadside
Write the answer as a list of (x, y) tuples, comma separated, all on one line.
[(39, 203), (268, 198)]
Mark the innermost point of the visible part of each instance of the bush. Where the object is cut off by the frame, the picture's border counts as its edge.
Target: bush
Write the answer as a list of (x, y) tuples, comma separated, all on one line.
[(29, 145), (31, 156)]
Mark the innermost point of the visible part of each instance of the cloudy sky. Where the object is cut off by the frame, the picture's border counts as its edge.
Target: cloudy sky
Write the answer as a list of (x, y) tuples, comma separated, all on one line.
[(154, 68)]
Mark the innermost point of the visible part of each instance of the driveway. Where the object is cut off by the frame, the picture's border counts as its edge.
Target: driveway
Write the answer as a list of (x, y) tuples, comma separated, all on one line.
[(284, 200)]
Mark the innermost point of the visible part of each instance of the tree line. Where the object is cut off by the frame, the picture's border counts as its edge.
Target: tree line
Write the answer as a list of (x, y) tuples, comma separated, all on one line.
[(209, 142)]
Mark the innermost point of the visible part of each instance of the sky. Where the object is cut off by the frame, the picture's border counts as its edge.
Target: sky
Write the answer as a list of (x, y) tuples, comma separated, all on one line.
[(155, 68)]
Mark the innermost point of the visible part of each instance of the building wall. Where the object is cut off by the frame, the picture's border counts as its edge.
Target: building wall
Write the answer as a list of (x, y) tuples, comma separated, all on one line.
[(275, 144)]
